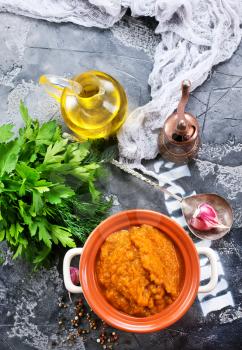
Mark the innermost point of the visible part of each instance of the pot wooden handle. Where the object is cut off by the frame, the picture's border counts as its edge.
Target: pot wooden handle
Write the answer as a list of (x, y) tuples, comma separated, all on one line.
[(210, 254), (66, 270)]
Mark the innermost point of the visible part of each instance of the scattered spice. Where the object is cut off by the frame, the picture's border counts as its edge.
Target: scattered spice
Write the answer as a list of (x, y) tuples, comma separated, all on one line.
[(205, 218), (84, 324)]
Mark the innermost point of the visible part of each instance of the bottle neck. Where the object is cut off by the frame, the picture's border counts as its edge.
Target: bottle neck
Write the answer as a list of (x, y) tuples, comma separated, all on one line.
[(92, 93), (91, 96)]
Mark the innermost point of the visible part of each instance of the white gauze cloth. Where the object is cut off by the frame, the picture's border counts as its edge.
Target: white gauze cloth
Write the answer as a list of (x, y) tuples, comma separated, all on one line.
[(195, 35)]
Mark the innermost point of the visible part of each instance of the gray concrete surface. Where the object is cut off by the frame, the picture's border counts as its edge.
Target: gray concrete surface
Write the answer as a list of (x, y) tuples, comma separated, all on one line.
[(29, 310)]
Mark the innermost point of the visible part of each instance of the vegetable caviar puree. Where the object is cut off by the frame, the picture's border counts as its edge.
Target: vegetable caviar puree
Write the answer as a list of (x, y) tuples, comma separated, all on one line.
[(139, 270)]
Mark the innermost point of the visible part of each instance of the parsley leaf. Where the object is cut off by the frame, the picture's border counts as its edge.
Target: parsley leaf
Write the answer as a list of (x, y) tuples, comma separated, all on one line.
[(56, 193), (6, 132), (42, 255), (26, 172), (46, 132), (25, 114), (63, 235), (37, 204), (9, 153), (54, 153)]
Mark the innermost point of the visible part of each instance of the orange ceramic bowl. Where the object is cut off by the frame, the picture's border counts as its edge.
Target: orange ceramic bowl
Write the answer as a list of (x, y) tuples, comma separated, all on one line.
[(91, 289)]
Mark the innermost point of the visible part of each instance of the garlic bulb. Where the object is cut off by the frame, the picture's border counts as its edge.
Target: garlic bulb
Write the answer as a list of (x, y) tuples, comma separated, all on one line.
[(205, 218)]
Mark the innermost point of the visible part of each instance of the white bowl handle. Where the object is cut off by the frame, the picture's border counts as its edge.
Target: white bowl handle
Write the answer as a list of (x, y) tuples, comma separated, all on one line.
[(214, 269), (66, 270)]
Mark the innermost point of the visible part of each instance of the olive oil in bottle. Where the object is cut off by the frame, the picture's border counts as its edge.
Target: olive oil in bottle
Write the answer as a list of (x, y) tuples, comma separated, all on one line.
[(93, 104)]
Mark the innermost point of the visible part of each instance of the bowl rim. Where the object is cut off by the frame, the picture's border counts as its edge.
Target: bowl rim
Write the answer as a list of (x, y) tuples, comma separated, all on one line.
[(92, 292)]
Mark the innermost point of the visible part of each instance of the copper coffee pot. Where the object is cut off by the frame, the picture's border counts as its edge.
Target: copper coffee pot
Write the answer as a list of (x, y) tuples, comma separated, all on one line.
[(179, 138)]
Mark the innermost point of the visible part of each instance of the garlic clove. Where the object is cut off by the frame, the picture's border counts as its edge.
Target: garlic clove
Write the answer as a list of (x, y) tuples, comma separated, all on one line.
[(205, 218), (74, 272)]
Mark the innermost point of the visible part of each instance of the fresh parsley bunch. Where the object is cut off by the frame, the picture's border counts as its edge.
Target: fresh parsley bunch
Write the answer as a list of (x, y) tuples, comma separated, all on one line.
[(39, 171)]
